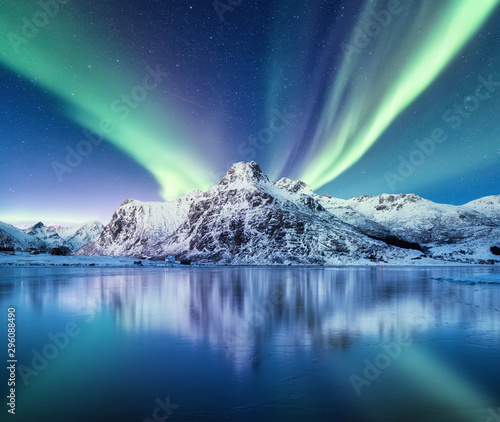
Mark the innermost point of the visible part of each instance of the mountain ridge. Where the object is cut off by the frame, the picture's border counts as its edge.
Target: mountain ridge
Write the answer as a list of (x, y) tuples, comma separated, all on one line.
[(45, 238), (248, 219)]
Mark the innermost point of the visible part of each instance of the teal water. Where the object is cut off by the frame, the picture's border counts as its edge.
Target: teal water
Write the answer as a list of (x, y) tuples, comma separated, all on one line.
[(252, 344)]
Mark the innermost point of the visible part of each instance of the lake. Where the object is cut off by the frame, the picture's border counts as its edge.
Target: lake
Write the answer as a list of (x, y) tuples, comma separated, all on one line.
[(252, 344)]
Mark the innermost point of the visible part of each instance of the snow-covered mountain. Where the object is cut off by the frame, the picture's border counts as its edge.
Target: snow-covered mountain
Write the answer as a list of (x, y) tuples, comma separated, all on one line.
[(44, 238), (55, 227), (13, 238), (138, 226), (77, 236), (413, 218), (246, 219), (48, 236), (444, 230), (488, 206)]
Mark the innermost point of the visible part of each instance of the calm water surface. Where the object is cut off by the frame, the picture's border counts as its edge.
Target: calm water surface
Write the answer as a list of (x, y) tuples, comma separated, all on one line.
[(252, 344)]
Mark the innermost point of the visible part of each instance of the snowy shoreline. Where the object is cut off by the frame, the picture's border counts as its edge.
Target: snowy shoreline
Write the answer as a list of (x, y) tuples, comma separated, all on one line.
[(44, 260)]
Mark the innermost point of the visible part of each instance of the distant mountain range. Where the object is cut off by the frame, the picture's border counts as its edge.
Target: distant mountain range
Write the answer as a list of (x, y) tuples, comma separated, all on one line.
[(248, 220), (44, 238)]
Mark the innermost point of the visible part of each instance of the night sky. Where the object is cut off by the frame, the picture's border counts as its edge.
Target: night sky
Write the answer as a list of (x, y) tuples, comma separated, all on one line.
[(103, 101)]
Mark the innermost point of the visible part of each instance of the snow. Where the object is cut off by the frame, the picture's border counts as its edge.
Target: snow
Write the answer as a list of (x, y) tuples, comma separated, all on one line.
[(395, 211), (488, 206), (81, 234), (67, 232), (23, 259), (137, 225), (43, 237), (414, 219), (294, 186), (248, 220), (46, 235), (20, 238)]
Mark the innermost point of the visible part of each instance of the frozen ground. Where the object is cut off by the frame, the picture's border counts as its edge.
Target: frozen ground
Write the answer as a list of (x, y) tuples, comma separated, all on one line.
[(44, 260), (23, 259)]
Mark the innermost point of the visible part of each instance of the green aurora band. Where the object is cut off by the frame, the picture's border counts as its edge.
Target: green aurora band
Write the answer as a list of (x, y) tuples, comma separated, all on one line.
[(366, 96), (71, 62)]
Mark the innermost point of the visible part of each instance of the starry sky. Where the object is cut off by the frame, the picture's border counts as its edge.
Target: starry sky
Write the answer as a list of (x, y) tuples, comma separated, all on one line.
[(103, 101)]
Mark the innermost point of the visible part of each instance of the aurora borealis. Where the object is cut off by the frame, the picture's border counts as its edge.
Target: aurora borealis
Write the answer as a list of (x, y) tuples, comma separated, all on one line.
[(369, 109), (153, 99)]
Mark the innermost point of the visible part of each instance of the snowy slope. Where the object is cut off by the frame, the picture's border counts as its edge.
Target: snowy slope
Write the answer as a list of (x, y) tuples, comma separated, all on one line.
[(246, 219), (137, 225), (24, 259), (489, 206), (460, 233), (44, 238), (12, 237), (46, 235), (55, 227), (413, 218), (81, 234)]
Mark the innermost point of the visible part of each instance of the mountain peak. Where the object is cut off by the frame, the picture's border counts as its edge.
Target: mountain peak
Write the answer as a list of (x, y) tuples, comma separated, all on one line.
[(294, 186), (127, 201), (55, 227), (244, 173), (246, 219), (386, 198)]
